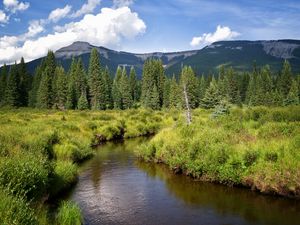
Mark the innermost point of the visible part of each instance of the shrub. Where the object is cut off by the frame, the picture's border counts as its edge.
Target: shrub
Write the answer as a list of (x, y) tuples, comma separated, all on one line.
[(271, 156), (250, 157)]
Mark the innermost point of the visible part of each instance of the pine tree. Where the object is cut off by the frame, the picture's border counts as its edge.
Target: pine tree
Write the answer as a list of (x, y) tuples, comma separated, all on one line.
[(153, 75), (97, 85), (277, 98), (154, 99), (211, 98), (202, 88), (116, 92), (108, 89), (80, 79), (251, 91), (72, 98), (189, 79), (292, 97), (45, 95), (12, 92), (61, 88), (125, 91), (3, 80), (166, 99), (83, 102), (285, 79), (231, 86), (175, 99), (133, 84), (36, 84), (24, 85)]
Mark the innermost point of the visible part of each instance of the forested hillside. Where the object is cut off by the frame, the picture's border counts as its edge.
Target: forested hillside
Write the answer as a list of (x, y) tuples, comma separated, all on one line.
[(53, 87)]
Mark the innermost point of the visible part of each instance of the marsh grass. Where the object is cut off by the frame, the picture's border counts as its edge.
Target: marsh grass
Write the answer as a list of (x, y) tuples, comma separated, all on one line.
[(255, 147), (40, 149), (69, 214)]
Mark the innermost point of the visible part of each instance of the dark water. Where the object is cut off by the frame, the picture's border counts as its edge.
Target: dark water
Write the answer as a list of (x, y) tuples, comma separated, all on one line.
[(115, 188)]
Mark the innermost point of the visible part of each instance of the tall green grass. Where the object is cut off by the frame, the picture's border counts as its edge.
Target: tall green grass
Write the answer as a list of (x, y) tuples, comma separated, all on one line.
[(256, 147), (40, 149), (69, 214)]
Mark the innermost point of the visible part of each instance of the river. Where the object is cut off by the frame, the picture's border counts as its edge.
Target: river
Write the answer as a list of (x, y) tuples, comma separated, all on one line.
[(114, 187)]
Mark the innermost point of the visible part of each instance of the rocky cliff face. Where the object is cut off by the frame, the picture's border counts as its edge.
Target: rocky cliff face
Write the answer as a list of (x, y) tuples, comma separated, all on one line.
[(280, 49)]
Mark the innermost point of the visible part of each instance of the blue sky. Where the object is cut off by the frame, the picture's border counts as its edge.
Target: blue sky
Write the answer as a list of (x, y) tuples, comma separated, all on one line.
[(30, 27)]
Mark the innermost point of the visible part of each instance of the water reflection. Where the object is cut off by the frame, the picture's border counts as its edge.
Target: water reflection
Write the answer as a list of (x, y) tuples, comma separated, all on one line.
[(115, 188)]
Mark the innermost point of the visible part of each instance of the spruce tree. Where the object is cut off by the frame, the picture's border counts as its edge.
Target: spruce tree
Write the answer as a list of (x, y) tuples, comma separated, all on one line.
[(175, 98), (83, 102), (133, 84), (189, 79), (116, 92), (285, 79), (3, 80), (211, 98), (72, 84), (97, 85), (45, 95), (154, 99), (231, 86), (36, 84), (61, 88), (292, 97), (108, 89), (166, 99), (202, 88), (153, 75), (12, 91), (125, 91), (25, 83)]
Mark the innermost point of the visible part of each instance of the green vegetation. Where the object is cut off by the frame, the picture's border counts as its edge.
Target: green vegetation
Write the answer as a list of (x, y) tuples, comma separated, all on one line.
[(40, 148), (69, 214), (256, 147), (40, 151)]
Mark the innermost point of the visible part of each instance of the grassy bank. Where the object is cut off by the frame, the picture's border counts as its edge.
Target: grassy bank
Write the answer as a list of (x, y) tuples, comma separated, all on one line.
[(40, 152), (258, 148)]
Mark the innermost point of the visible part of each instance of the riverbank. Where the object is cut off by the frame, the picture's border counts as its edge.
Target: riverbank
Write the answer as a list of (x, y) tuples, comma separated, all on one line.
[(40, 152), (258, 148)]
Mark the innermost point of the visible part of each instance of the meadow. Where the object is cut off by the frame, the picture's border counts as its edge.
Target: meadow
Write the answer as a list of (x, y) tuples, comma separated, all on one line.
[(258, 148), (40, 152)]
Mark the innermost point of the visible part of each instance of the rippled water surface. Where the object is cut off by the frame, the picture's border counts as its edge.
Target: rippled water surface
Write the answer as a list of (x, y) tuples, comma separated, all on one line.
[(116, 188)]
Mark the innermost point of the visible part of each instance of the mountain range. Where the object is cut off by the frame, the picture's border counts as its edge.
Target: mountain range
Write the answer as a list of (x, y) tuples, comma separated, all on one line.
[(241, 55)]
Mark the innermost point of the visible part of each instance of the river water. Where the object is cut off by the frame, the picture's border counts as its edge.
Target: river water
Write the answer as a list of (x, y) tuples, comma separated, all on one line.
[(115, 187)]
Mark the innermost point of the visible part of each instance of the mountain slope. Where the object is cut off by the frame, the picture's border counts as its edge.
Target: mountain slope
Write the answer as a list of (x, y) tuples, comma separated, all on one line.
[(239, 54)]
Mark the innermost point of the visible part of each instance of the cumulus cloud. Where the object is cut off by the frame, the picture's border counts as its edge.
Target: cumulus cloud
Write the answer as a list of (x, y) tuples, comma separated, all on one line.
[(59, 13), (15, 5), (221, 34), (86, 8), (122, 3), (106, 28), (3, 17)]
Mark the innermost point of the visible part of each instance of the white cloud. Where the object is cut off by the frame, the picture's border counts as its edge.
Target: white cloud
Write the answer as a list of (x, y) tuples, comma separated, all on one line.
[(86, 8), (221, 34), (15, 5), (106, 28), (35, 27), (59, 13), (3, 17), (122, 3)]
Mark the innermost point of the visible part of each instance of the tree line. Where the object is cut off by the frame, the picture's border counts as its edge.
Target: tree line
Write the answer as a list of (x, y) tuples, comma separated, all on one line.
[(53, 87)]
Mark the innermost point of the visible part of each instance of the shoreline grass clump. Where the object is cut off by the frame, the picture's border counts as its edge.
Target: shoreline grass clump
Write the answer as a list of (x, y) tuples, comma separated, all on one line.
[(256, 147), (69, 213)]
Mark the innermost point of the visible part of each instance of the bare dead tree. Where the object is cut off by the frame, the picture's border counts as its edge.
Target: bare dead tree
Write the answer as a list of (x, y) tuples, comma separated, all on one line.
[(187, 105)]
